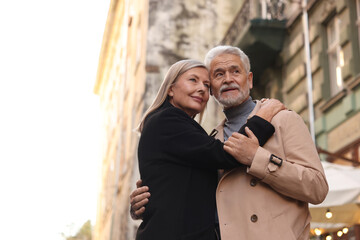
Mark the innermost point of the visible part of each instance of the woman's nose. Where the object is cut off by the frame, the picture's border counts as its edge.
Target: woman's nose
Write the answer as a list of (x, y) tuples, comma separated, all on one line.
[(202, 88)]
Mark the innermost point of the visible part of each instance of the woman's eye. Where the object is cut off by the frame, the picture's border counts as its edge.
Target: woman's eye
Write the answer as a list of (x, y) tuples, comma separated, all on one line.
[(192, 79), (207, 85)]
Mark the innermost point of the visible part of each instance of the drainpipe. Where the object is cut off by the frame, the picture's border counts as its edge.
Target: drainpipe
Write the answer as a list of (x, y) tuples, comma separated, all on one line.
[(308, 68)]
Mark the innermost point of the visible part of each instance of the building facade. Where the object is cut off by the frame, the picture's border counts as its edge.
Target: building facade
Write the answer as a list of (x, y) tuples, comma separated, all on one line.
[(120, 84), (144, 37), (272, 34), (302, 47)]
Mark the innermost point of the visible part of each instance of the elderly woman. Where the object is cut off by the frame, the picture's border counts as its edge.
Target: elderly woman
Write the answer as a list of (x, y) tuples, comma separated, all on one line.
[(179, 161)]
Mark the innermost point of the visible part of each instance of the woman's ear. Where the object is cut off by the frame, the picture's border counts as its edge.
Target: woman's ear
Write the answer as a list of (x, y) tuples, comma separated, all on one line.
[(171, 92)]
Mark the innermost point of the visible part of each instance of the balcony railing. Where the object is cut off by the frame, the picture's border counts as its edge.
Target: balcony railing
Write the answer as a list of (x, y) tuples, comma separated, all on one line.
[(273, 9), (260, 9)]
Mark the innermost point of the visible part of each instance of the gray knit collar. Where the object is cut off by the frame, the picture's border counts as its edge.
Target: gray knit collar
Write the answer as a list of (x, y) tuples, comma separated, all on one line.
[(244, 109)]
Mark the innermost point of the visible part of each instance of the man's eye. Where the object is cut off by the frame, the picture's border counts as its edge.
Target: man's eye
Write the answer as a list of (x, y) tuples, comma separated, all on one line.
[(218, 75)]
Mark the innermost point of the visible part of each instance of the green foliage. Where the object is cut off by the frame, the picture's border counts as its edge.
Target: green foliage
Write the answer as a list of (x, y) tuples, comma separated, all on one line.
[(84, 233)]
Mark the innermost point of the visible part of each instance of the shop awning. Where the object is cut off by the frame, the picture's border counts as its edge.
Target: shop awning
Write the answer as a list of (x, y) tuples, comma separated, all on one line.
[(343, 199)]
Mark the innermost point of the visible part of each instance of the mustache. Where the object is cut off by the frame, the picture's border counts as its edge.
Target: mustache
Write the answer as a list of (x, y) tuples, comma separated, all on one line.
[(227, 86)]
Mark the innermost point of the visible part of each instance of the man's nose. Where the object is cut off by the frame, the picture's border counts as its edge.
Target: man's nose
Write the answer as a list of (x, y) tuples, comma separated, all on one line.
[(227, 77)]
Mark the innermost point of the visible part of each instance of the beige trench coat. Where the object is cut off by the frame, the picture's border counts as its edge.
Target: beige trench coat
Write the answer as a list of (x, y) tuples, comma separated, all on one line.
[(269, 202)]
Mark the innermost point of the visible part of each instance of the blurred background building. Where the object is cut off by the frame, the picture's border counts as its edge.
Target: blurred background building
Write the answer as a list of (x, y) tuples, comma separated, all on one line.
[(295, 47)]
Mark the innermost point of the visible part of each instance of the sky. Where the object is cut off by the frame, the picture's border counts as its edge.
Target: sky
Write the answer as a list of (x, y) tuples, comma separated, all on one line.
[(50, 119)]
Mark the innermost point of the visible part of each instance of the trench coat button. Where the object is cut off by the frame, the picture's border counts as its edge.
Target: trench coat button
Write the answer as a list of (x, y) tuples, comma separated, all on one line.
[(253, 182), (254, 218)]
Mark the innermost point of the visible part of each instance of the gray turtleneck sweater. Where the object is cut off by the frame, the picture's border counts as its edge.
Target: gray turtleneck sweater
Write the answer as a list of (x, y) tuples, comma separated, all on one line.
[(236, 117)]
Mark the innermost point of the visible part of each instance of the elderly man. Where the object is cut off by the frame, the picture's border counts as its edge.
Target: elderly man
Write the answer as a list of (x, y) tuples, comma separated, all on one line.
[(268, 197)]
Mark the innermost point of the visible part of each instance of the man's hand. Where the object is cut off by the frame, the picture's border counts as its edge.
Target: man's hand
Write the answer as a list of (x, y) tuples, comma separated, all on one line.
[(138, 199), (242, 148), (269, 108)]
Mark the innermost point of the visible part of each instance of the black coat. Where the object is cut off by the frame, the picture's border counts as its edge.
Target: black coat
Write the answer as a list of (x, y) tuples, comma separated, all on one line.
[(179, 162)]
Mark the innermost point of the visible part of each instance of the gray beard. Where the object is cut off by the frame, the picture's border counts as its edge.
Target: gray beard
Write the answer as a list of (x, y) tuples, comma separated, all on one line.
[(231, 102)]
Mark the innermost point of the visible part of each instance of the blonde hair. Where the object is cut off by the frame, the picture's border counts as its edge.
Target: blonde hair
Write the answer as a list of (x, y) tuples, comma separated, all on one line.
[(176, 70)]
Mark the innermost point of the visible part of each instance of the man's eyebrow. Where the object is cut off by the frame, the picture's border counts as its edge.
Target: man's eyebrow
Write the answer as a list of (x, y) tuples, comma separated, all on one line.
[(218, 70), (234, 66), (231, 67)]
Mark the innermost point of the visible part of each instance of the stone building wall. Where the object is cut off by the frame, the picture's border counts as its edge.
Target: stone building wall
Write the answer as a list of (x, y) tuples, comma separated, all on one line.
[(120, 84), (183, 29)]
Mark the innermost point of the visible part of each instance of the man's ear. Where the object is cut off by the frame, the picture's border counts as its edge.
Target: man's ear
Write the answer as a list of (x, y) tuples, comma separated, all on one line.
[(250, 79)]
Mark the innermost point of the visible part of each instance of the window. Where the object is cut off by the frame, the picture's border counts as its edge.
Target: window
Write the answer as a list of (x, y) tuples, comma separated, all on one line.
[(335, 56), (358, 17)]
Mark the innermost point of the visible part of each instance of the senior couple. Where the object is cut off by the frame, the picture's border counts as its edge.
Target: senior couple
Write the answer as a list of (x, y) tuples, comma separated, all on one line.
[(271, 166)]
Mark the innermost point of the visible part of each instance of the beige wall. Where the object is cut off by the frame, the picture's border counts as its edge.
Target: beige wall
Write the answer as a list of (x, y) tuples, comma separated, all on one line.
[(120, 84)]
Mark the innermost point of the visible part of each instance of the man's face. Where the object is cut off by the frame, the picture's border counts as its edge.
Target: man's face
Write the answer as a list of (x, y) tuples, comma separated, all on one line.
[(230, 83)]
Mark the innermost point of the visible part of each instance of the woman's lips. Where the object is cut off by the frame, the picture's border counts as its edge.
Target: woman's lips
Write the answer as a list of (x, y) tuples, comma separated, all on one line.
[(198, 99)]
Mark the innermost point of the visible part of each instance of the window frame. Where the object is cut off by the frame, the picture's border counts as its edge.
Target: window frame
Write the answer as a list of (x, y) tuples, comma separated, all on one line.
[(334, 53), (358, 18)]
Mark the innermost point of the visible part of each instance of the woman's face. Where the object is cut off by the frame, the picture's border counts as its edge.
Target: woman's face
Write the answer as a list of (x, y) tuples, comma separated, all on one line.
[(190, 92)]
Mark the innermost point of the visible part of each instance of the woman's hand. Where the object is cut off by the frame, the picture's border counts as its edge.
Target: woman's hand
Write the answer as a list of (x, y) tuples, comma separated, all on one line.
[(269, 108), (138, 199), (242, 148)]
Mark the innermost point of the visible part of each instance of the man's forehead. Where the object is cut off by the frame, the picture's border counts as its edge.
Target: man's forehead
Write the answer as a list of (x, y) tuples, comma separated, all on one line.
[(226, 65), (225, 57), (221, 64)]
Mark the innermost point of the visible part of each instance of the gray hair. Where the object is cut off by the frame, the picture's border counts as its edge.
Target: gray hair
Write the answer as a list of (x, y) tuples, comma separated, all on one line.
[(223, 49), (174, 72)]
